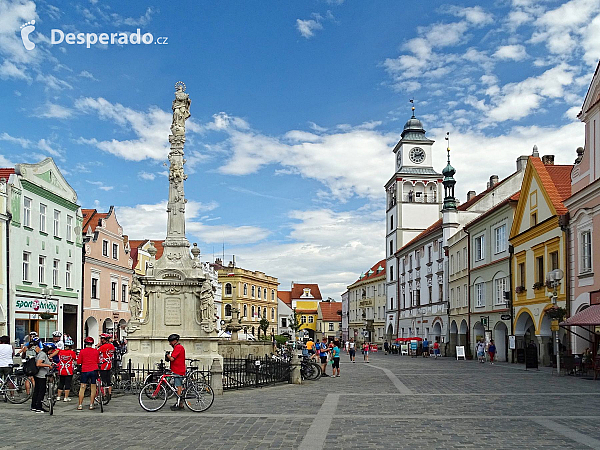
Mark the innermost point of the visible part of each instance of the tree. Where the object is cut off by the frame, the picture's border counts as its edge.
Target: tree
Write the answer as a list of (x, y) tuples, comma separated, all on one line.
[(263, 325), (295, 324)]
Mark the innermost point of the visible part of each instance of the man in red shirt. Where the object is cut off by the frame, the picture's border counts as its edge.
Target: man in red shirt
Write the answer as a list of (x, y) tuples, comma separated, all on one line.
[(177, 359), (66, 365), (89, 358), (107, 353)]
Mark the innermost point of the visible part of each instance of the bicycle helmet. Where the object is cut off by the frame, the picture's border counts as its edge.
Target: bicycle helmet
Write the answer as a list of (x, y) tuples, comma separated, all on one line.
[(57, 334), (34, 341), (105, 336), (88, 340), (49, 346), (69, 341), (33, 333), (173, 337)]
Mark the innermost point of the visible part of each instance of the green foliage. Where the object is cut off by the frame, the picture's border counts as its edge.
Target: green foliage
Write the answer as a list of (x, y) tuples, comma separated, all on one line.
[(556, 313), (280, 339), (264, 325), (294, 322)]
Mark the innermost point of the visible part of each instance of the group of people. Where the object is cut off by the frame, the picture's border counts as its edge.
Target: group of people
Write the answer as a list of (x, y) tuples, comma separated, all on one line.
[(482, 348), (325, 352)]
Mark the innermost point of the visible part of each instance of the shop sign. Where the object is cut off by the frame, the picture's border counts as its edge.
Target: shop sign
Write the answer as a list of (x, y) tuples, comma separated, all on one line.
[(37, 306), (505, 317)]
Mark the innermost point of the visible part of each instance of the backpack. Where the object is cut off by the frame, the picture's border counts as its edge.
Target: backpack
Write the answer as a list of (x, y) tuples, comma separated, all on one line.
[(30, 367)]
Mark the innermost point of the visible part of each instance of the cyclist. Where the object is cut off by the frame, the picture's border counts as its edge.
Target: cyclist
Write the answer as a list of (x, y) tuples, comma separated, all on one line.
[(107, 353), (43, 363), (67, 358), (89, 358), (28, 350), (57, 339), (6, 356), (177, 359)]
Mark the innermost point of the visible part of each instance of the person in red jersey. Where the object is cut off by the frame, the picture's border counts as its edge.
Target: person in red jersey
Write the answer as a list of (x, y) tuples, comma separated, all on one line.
[(177, 359), (66, 366), (88, 358), (107, 353)]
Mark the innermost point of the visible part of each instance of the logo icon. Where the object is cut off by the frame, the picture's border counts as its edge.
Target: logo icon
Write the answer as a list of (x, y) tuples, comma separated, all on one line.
[(26, 30)]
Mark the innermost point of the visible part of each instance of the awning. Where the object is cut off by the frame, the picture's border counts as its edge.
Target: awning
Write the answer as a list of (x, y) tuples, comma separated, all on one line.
[(409, 339), (588, 317)]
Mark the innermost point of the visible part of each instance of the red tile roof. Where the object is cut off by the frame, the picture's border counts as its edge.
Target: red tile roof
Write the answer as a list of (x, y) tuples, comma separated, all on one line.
[(5, 173), (138, 243), (285, 297), (91, 218), (556, 181), (432, 229), (298, 290), (331, 311), (376, 273)]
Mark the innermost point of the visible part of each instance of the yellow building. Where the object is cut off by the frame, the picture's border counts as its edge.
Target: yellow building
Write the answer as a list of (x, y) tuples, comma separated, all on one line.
[(305, 300), (256, 295), (539, 246)]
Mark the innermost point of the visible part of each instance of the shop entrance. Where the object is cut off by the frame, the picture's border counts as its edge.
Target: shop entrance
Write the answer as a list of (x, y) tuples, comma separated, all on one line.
[(70, 321)]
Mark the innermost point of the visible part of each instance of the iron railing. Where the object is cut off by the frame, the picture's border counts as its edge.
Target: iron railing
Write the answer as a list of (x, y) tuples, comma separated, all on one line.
[(240, 373)]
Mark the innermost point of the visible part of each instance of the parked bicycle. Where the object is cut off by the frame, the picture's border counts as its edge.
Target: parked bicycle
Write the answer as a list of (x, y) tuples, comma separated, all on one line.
[(16, 386), (50, 398), (102, 395)]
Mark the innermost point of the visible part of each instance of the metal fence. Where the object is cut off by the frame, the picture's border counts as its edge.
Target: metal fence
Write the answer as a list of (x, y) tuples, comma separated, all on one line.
[(240, 373)]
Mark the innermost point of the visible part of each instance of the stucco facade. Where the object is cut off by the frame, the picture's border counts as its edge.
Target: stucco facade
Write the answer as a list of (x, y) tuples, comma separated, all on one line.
[(366, 305), (458, 283), (4, 175)]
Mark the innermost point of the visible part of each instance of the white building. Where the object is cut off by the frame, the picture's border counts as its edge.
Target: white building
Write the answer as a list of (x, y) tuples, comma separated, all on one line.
[(45, 253), (284, 313), (4, 175), (345, 311)]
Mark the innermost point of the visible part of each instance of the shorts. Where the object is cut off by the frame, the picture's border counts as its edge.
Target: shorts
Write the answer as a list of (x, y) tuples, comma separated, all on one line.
[(324, 359), (64, 382), (88, 377), (336, 363), (105, 377), (4, 371), (436, 351), (178, 380), (352, 352), (311, 352), (366, 352), (480, 354)]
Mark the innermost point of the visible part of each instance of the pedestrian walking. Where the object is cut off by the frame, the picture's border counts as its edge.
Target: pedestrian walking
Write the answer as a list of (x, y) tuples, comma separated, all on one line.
[(386, 347), (480, 348), (177, 359), (492, 351), (66, 367), (43, 363), (352, 350), (366, 352), (347, 346), (436, 348), (335, 353), (88, 358), (425, 348)]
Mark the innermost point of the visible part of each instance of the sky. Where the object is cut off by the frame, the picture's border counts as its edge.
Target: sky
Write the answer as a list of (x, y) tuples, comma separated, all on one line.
[(296, 107)]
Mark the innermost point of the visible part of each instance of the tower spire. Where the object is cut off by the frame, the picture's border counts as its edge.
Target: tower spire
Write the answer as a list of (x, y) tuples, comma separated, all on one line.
[(412, 101), (449, 181)]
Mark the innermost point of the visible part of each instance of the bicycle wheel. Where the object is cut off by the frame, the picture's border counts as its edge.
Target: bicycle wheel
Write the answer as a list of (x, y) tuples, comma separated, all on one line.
[(198, 396), (316, 371), (152, 397), (196, 375), (16, 389), (105, 395), (100, 396)]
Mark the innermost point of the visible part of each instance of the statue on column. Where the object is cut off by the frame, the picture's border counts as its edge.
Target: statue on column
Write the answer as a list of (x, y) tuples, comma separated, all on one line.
[(181, 109), (135, 298)]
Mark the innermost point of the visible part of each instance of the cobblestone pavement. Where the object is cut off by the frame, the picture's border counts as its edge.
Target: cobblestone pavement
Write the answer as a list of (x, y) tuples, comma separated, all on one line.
[(392, 402)]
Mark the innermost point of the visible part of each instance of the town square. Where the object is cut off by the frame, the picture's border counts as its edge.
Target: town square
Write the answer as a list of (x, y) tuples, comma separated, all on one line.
[(300, 225)]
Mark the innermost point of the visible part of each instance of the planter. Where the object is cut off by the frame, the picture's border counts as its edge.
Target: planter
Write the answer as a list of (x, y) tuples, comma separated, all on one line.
[(520, 289), (538, 285)]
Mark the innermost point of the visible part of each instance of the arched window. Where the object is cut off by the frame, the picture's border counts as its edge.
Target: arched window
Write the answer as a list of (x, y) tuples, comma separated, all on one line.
[(228, 289), (245, 289), (253, 311), (272, 313), (245, 310), (253, 291), (259, 292), (228, 310), (273, 294), (265, 292)]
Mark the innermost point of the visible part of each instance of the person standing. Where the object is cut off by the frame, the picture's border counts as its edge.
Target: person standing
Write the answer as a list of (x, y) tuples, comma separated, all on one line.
[(366, 352), (352, 350), (107, 354), (57, 339), (386, 347), (335, 353), (39, 390), (310, 346), (425, 348), (492, 351), (6, 356), (480, 351), (177, 359), (323, 355), (66, 366), (88, 358)]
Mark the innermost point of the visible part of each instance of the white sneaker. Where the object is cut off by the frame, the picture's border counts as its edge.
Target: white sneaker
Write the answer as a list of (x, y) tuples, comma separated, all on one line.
[(67, 399)]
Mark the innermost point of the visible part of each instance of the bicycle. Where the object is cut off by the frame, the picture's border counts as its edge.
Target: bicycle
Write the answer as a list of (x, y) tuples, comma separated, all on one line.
[(196, 395), (191, 372), (102, 396), (16, 387), (50, 397)]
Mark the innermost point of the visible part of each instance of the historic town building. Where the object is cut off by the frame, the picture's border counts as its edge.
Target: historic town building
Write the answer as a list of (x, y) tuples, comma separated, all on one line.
[(4, 176), (107, 272), (329, 320), (413, 203), (284, 313), (584, 212), (256, 295), (538, 236), (305, 298), (366, 305), (45, 253), (458, 286), (345, 311)]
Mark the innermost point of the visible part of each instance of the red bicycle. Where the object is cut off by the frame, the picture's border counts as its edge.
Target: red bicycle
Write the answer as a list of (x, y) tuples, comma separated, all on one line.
[(197, 395)]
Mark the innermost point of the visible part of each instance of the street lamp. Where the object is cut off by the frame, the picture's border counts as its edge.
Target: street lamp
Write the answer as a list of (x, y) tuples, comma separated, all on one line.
[(553, 279)]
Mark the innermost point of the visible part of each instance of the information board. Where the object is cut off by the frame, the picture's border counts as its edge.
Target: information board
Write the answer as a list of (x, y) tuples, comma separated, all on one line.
[(460, 352), (511, 343)]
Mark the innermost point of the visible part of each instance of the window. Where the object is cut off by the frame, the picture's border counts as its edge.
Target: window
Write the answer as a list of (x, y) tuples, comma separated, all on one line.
[(441, 292), (123, 292), (533, 219), (272, 313), (273, 294), (42, 218), (284, 322), (458, 296), (253, 291), (115, 254), (69, 236), (586, 251), (391, 248), (26, 212), (554, 259), (418, 297), (26, 260), (457, 261), (480, 294), (521, 274), (539, 267), (500, 286), (245, 310), (452, 298), (265, 293), (113, 291), (465, 260), (391, 303), (41, 269), (245, 289), (391, 273), (479, 249), (429, 300), (259, 291), (331, 326), (311, 319), (303, 319), (228, 310), (466, 294), (259, 316), (104, 248), (228, 289), (451, 264), (55, 279), (500, 239), (56, 222), (253, 310), (68, 275), (94, 287)]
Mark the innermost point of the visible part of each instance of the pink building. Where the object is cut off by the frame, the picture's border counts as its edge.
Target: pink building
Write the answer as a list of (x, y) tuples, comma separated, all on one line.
[(584, 212), (107, 272)]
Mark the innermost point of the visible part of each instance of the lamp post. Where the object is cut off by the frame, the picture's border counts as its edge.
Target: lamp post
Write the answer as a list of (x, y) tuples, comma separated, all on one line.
[(553, 278)]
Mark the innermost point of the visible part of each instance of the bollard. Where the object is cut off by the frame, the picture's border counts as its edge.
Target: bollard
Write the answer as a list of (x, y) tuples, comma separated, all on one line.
[(216, 376), (295, 374)]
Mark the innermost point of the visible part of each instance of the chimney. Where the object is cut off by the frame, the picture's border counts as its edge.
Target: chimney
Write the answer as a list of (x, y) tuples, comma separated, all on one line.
[(471, 194), (218, 261), (548, 160), (522, 162), (493, 181)]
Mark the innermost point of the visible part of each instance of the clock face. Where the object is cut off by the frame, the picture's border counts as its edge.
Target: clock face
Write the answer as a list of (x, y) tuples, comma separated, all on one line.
[(417, 155)]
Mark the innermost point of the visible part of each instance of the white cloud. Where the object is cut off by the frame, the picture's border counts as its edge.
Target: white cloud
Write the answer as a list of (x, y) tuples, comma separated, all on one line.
[(10, 70), (475, 15), (52, 111), (86, 74), (307, 27), (146, 176), (25, 143), (46, 145), (101, 185), (514, 52)]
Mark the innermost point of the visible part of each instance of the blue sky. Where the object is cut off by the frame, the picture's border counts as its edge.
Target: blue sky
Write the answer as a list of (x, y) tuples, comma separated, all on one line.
[(296, 107)]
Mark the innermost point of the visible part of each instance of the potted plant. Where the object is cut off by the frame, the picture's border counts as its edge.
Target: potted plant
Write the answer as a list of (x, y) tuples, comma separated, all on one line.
[(520, 289), (556, 313), (45, 316), (538, 285)]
